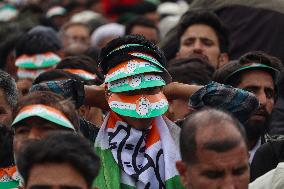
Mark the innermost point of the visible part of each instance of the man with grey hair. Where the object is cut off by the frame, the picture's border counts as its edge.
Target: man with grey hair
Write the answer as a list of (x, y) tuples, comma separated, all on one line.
[(214, 152), (8, 97)]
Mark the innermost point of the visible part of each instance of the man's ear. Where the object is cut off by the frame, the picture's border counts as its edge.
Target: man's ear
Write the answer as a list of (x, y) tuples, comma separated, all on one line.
[(84, 110), (181, 167), (107, 94), (222, 60)]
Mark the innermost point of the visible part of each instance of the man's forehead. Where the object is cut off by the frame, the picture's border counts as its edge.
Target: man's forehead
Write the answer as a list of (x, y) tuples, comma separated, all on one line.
[(216, 131), (250, 78), (199, 30), (234, 157)]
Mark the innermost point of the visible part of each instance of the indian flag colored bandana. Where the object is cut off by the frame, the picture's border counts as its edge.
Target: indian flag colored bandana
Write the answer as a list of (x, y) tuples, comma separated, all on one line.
[(9, 178), (135, 82), (139, 106), (82, 73), (36, 61), (132, 158), (23, 73), (45, 112), (130, 68)]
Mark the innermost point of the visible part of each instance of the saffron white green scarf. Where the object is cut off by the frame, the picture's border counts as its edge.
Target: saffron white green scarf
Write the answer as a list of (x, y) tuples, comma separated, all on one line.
[(132, 158)]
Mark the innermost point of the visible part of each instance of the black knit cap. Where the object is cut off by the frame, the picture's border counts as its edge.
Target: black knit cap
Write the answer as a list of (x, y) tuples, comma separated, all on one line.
[(112, 55), (250, 61)]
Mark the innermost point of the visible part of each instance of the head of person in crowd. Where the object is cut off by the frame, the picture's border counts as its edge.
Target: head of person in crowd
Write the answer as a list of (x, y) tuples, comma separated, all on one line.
[(6, 145), (57, 15), (202, 32), (62, 153), (9, 178), (7, 53), (135, 75), (37, 51), (214, 152), (69, 85), (142, 85), (82, 66), (38, 113), (192, 70), (255, 72), (9, 97), (145, 27), (74, 32), (105, 33)]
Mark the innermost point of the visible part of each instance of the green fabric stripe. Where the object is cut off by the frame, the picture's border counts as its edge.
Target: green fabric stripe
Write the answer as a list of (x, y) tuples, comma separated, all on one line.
[(125, 186), (8, 185), (109, 174), (174, 183)]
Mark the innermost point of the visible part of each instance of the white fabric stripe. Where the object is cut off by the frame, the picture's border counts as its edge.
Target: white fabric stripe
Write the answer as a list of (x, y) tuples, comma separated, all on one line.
[(170, 148)]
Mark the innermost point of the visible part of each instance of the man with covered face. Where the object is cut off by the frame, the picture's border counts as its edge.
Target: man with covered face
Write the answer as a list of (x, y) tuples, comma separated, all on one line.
[(255, 72), (136, 143)]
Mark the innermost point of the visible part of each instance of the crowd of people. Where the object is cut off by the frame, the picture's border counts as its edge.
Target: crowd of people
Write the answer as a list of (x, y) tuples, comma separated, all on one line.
[(146, 94)]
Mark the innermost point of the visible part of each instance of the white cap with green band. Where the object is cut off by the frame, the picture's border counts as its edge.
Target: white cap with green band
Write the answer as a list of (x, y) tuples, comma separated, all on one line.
[(140, 81), (36, 61), (130, 68), (45, 112)]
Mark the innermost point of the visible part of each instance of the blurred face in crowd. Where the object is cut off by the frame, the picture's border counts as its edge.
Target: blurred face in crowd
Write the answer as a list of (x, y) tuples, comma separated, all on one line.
[(24, 86), (5, 109), (76, 34), (148, 32), (216, 169), (32, 128), (261, 84), (45, 176), (202, 39)]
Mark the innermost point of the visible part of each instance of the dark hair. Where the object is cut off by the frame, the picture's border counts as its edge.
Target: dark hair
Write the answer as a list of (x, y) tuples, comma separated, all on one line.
[(60, 147), (7, 47), (81, 62), (39, 39), (208, 18), (6, 146), (109, 60), (9, 88), (50, 99), (139, 21), (221, 75), (55, 75), (191, 70), (203, 119)]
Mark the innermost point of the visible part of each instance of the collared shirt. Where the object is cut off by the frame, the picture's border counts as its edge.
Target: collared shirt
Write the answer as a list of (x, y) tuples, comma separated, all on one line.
[(254, 149)]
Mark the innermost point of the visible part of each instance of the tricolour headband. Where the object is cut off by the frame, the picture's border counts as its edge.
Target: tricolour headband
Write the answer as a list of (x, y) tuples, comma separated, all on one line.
[(138, 106), (31, 73), (140, 81), (45, 112), (130, 68), (36, 61), (81, 73)]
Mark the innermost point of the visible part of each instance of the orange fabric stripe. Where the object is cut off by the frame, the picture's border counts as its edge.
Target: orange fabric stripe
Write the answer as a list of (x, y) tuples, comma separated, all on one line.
[(79, 71), (153, 136), (9, 171)]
